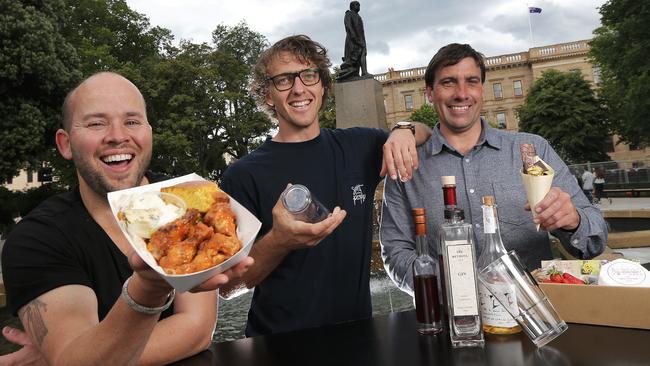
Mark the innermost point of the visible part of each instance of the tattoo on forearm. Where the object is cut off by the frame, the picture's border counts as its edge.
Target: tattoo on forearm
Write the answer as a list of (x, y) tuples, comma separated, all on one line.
[(33, 319)]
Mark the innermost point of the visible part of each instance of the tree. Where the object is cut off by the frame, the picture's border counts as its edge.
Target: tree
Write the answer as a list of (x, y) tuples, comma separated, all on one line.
[(37, 66), (562, 108), (327, 116), (108, 35), (425, 114), (621, 48), (199, 104)]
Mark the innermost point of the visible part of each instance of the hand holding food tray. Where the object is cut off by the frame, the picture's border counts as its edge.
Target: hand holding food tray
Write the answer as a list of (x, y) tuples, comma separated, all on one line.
[(536, 175), (139, 232)]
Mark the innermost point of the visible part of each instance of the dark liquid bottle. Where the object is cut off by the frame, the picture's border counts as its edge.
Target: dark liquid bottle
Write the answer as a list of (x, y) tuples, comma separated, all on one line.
[(425, 280)]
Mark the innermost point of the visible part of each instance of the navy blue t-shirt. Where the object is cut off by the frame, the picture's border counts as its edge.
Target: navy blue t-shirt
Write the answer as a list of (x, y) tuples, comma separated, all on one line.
[(328, 283)]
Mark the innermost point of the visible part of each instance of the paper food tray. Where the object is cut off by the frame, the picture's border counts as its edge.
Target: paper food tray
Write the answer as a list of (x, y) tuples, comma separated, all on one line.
[(247, 228)]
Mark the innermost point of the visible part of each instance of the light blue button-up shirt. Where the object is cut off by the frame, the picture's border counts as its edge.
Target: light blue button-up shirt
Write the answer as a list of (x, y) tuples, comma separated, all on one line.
[(491, 167)]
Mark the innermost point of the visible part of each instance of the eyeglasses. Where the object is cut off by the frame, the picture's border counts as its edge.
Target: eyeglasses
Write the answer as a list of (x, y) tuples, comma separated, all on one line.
[(285, 81)]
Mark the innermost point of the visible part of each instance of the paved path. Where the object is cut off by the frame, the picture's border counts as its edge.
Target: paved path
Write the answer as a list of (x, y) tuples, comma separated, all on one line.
[(629, 204), (624, 204)]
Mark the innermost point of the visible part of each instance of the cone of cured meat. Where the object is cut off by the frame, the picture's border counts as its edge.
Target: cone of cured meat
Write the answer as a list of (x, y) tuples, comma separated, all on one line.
[(536, 175)]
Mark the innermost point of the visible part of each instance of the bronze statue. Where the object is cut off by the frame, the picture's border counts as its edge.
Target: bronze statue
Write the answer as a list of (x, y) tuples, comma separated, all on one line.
[(355, 46)]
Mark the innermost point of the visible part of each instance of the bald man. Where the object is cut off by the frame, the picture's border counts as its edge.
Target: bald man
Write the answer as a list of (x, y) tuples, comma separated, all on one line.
[(65, 264)]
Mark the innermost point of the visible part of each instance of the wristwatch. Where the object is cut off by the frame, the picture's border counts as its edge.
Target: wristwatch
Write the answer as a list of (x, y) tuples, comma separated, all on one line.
[(404, 125)]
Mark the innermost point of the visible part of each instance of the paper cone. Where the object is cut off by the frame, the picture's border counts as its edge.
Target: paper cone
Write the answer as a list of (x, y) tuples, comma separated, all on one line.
[(537, 186)]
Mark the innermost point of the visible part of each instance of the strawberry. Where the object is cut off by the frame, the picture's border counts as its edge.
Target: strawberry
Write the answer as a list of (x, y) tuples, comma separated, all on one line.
[(569, 278), (555, 276)]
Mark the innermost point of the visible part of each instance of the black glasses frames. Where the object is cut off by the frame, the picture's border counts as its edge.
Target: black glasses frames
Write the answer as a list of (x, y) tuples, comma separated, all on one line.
[(283, 82)]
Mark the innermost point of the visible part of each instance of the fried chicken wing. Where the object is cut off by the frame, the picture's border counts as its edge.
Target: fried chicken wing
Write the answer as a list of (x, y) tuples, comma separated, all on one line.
[(174, 232), (221, 217), (197, 241), (216, 250)]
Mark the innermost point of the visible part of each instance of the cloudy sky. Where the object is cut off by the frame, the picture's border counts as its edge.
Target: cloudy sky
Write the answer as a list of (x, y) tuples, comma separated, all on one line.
[(399, 33)]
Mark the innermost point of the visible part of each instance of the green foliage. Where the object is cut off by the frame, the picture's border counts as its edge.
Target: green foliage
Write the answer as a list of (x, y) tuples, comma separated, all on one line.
[(109, 36), (327, 116), (562, 108), (19, 203), (37, 65), (621, 48), (199, 104), (197, 94), (425, 114)]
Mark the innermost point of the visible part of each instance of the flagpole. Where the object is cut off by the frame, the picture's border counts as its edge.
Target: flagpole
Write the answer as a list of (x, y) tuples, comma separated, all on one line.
[(530, 26)]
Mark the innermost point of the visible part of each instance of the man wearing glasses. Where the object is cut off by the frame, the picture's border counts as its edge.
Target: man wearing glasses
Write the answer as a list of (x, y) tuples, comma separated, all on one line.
[(308, 275)]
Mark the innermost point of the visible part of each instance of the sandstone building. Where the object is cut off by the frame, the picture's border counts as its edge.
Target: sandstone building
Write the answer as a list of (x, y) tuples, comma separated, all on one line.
[(508, 78)]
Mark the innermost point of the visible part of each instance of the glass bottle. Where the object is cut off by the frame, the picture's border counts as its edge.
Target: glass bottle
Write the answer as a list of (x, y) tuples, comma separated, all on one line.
[(461, 286), (299, 201), (425, 280), (495, 317)]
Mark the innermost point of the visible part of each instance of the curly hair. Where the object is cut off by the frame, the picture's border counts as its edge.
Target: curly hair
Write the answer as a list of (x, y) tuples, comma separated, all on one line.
[(305, 50), (449, 55)]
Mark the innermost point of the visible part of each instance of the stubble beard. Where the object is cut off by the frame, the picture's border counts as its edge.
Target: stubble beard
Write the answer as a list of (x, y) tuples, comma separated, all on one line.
[(97, 181)]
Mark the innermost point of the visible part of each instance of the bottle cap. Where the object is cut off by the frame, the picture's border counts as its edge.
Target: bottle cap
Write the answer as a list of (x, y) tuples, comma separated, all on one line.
[(296, 198), (448, 180), (418, 211), (488, 200)]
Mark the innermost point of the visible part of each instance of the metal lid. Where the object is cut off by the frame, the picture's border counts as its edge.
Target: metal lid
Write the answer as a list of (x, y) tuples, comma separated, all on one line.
[(296, 198)]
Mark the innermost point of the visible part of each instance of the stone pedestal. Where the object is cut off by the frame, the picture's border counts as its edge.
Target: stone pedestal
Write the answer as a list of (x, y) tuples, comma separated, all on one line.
[(360, 103)]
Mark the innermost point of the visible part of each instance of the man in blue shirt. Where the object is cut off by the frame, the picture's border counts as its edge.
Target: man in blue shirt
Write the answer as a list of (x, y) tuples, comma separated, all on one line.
[(485, 161)]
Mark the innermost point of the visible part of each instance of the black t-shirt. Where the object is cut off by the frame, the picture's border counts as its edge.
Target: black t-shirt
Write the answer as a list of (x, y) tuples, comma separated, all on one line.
[(328, 283), (57, 244)]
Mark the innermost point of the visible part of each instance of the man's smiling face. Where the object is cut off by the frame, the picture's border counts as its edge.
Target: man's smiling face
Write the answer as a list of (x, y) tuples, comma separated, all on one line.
[(108, 137), (457, 95), (296, 108)]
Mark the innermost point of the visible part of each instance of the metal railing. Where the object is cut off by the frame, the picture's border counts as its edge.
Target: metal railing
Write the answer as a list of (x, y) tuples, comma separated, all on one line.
[(623, 174)]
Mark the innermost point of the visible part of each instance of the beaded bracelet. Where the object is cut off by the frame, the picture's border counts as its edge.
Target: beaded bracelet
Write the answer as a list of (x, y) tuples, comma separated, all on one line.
[(141, 308)]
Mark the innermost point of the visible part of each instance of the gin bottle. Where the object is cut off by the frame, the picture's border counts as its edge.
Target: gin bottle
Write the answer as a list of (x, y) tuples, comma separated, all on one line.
[(461, 286), (425, 280), (495, 317)]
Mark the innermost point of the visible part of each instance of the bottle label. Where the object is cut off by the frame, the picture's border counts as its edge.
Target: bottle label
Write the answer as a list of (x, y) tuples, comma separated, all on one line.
[(462, 279), (489, 224), (493, 313)]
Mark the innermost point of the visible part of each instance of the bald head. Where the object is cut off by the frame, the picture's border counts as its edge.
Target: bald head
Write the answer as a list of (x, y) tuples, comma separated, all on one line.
[(102, 82)]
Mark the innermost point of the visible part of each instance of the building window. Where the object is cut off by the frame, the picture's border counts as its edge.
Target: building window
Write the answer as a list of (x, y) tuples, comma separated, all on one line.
[(408, 102), (30, 176), (498, 92), (519, 91), (595, 72), (501, 120)]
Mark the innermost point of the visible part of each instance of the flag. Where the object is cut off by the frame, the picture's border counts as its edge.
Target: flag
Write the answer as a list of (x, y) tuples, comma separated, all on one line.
[(532, 9)]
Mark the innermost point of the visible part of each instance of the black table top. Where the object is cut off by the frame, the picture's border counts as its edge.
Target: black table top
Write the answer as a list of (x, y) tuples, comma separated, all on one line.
[(392, 340)]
